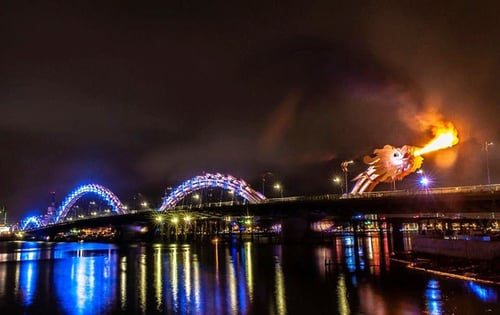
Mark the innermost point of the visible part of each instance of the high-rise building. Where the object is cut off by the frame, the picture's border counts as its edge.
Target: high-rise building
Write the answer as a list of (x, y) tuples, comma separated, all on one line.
[(3, 216), (51, 209)]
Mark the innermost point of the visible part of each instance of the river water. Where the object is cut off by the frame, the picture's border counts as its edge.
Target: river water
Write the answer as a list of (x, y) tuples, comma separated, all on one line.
[(227, 278)]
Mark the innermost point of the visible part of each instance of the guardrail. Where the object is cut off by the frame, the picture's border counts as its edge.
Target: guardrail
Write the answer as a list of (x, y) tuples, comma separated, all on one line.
[(392, 193)]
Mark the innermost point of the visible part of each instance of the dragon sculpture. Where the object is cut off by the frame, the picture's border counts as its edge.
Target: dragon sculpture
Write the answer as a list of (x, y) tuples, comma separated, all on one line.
[(387, 165)]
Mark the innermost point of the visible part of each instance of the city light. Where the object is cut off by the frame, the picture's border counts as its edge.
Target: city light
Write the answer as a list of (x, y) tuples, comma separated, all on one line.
[(279, 188), (424, 181), (338, 182)]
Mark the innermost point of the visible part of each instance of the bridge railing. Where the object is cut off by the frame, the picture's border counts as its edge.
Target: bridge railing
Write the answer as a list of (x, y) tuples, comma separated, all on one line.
[(391, 193)]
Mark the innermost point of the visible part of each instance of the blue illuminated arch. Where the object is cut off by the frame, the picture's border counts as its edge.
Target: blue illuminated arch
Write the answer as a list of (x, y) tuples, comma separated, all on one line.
[(104, 193), (228, 182), (32, 222)]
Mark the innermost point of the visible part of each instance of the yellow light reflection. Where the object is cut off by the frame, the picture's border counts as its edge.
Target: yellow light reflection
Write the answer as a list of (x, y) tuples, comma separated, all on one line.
[(123, 282), (343, 302), (196, 284), (323, 257), (407, 242), (231, 283), (376, 254), (187, 274), (369, 247), (158, 279), (174, 279), (280, 289), (249, 269), (142, 283)]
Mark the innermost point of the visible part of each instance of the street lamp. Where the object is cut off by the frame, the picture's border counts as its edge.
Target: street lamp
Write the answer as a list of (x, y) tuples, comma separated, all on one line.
[(486, 145), (337, 181), (198, 198), (424, 180), (345, 169), (279, 187)]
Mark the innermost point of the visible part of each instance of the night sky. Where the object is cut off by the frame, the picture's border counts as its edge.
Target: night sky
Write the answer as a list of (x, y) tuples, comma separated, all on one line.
[(139, 97)]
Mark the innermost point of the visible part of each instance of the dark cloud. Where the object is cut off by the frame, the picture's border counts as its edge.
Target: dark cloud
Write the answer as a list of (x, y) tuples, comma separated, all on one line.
[(141, 96)]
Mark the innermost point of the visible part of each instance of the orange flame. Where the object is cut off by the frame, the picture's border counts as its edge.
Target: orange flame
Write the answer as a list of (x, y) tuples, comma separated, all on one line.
[(445, 136)]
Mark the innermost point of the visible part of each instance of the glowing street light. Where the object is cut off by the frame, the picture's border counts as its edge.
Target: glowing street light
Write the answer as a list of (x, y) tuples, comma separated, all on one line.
[(279, 187), (424, 181), (198, 198), (337, 181)]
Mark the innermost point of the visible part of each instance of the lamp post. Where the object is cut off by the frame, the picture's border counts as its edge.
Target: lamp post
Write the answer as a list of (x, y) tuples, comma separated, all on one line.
[(486, 145), (279, 187), (197, 197), (337, 181), (345, 169)]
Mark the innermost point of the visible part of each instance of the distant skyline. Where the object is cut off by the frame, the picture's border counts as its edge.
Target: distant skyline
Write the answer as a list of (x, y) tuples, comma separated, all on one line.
[(141, 96)]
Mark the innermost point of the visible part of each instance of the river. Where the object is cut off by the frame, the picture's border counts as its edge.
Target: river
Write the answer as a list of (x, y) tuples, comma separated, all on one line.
[(349, 275)]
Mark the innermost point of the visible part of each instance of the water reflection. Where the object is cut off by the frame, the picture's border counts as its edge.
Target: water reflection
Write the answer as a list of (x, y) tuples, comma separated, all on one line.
[(27, 281), (279, 288), (123, 282), (484, 293), (350, 275), (85, 281), (342, 292), (433, 300), (372, 302)]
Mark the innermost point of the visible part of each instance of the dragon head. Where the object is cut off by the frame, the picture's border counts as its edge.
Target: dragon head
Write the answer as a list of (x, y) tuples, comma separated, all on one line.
[(387, 165)]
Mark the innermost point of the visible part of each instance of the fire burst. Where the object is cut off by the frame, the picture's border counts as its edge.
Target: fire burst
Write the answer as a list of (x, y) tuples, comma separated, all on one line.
[(445, 136), (390, 163)]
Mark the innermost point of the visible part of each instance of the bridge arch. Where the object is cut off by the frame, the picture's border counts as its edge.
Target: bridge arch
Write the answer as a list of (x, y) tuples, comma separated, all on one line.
[(30, 222), (227, 182), (103, 192)]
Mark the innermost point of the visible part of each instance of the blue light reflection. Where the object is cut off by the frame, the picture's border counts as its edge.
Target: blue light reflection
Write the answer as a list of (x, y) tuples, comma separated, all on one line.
[(27, 281), (485, 294), (86, 282), (434, 302)]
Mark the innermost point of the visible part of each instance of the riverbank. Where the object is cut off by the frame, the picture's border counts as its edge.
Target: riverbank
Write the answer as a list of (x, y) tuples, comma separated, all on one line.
[(480, 271)]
